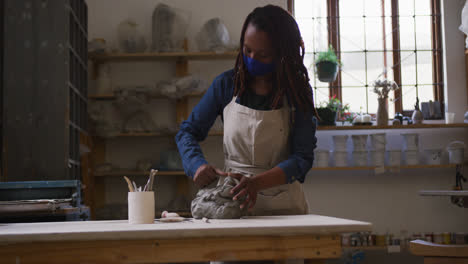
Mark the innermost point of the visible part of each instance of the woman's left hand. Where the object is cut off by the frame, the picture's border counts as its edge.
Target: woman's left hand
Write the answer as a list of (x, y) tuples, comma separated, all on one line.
[(246, 187)]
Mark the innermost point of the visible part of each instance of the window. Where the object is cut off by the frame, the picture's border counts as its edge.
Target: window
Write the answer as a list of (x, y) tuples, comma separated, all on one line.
[(393, 39)]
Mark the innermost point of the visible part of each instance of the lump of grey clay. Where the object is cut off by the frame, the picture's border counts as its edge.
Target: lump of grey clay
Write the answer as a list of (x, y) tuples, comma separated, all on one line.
[(217, 203)]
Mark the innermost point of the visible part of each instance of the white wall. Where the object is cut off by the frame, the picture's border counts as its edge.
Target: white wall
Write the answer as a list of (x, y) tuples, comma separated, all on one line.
[(389, 200), (454, 60)]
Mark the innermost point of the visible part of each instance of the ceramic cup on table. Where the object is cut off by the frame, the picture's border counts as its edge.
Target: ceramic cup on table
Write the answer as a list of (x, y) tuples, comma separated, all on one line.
[(141, 207)]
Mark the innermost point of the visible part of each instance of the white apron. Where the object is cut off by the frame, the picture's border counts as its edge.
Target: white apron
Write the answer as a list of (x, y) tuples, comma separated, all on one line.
[(256, 141)]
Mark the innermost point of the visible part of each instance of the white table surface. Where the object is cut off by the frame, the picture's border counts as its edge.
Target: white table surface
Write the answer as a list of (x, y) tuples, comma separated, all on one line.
[(118, 230)]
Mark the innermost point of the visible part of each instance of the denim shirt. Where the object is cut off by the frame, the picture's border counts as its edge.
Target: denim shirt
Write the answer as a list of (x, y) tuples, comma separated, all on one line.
[(195, 129)]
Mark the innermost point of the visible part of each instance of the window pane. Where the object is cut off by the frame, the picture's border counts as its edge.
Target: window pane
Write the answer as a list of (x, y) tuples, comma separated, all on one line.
[(321, 34), (423, 7), (306, 26), (407, 33), (408, 68), (355, 97), (352, 34), (353, 8), (423, 32), (389, 33), (321, 95), (425, 93), (374, 33), (424, 59), (406, 7), (390, 64), (309, 64), (353, 69), (373, 8), (310, 8), (375, 66), (409, 97), (372, 101)]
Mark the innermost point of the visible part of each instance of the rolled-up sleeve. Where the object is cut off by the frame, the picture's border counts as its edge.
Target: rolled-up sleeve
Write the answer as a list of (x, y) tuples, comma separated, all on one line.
[(303, 142), (196, 127)]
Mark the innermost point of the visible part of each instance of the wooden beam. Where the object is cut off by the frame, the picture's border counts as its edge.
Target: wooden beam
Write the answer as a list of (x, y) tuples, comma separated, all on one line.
[(437, 60), (86, 176), (334, 40), (291, 7), (174, 250), (396, 57), (98, 156)]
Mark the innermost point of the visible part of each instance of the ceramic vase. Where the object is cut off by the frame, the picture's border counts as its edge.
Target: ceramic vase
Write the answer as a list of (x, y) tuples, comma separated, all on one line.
[(382, 112)]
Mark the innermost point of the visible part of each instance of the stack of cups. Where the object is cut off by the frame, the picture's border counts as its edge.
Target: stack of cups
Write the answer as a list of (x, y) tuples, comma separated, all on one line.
[(340, 153), (411, 148), (359, 150), (394, 157), (377, 153), (321, 158)]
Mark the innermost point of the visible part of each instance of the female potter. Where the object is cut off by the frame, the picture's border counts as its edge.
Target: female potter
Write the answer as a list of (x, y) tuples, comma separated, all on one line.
[(266, 104)]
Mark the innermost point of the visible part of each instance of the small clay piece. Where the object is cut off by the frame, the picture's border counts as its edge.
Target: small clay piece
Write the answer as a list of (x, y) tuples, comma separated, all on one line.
[(217, 203), (417, 116), (166, 214)]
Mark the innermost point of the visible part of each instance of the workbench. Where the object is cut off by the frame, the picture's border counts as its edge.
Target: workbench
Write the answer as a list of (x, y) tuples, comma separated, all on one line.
[(310, 237)]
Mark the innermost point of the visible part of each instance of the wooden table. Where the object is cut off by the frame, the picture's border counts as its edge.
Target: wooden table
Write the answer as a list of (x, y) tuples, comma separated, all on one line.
[(311, 237)]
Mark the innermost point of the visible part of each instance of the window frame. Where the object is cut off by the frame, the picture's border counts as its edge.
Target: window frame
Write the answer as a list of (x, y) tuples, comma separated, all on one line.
[(333, 20)]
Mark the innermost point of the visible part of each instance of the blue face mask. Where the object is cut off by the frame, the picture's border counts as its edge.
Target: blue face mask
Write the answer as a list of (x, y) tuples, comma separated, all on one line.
[(256, 68)]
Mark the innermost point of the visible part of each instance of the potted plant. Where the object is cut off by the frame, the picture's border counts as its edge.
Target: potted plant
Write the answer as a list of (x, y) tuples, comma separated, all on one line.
[(330, 110), (327, 65)]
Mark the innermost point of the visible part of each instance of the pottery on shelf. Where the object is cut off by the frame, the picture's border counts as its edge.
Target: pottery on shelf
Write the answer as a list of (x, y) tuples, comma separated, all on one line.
[(417, 116), (382, 112)]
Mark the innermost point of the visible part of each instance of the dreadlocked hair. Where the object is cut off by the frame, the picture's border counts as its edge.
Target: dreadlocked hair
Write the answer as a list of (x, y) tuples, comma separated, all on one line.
[(292, 78)]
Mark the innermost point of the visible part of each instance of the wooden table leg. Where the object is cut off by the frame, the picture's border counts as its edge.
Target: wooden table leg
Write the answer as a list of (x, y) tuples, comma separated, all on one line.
[(281, 261), (314, 261)]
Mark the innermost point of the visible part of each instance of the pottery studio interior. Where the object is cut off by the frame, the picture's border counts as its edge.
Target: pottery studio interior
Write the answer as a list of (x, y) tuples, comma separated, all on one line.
[(349, 140)]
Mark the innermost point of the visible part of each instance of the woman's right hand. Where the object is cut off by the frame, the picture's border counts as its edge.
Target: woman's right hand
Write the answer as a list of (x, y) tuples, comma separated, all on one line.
[(206, 174)]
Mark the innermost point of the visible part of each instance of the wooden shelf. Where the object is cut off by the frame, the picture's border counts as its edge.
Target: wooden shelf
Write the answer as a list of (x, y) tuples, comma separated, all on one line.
[(422, 166), (156, 134), (366, 248), (113, 97), (219, 133), (174, 173), (419, 126), (148, 56), (138, 173)]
